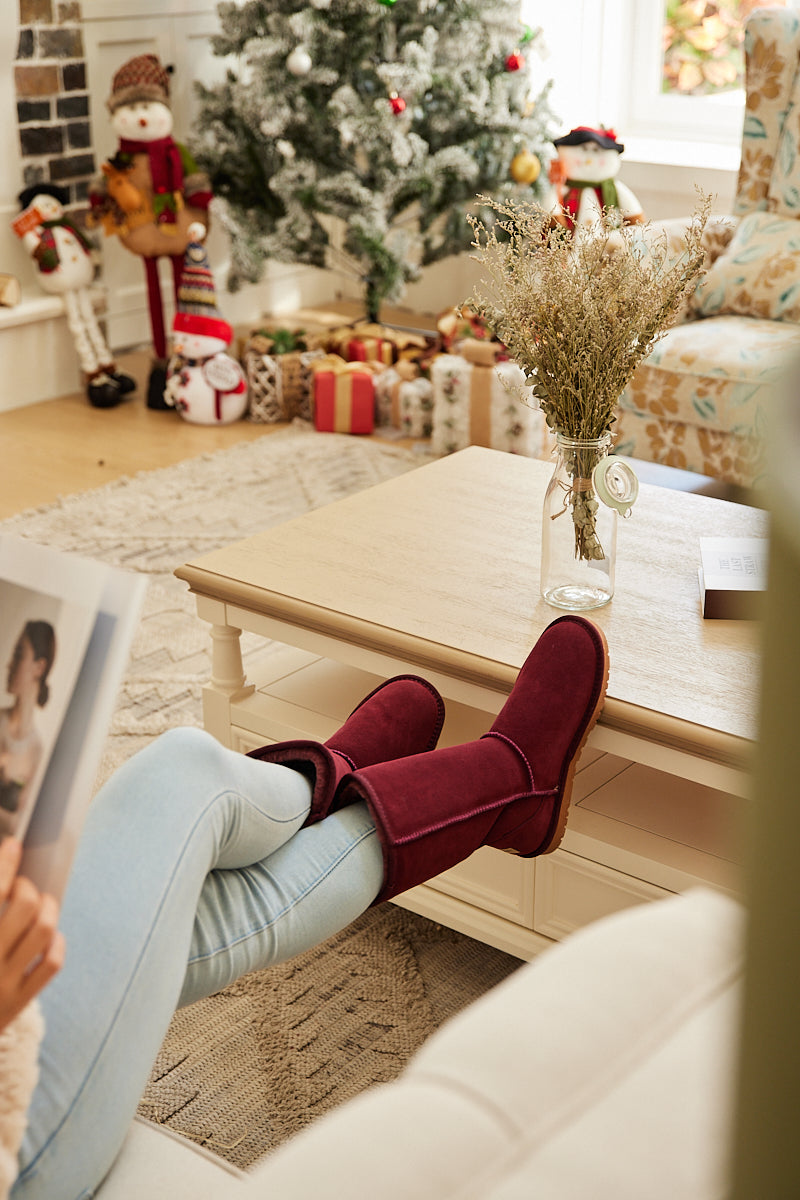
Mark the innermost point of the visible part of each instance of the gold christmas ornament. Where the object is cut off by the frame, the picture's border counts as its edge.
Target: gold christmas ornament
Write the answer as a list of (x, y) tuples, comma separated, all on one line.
[(525, 167)]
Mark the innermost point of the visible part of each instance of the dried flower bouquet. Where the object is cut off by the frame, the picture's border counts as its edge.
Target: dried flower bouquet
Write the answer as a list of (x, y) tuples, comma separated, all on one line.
[(578, 313)]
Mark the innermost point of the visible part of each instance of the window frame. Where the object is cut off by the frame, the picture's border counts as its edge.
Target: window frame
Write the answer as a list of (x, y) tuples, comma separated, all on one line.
[(614, 79)]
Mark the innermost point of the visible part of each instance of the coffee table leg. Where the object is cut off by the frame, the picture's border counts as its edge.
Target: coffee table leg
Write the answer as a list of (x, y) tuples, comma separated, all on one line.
[(228, 682), (227, 669)]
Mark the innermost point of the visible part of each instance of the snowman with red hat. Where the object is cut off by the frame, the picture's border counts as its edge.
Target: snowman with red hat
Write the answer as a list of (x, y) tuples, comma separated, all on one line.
[(204, 384), (585, 181), (150, 191)]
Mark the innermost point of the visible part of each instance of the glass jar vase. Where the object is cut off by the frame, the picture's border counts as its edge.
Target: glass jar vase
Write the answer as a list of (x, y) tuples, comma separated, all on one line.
[(579, 529)]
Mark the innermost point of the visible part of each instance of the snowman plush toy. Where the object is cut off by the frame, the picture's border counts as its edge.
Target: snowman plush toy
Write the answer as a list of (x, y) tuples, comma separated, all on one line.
[(585, 179), (62, 255), (151, 191), (204, 384)]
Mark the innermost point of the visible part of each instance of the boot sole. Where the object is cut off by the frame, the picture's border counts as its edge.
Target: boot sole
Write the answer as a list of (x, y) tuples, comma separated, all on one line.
[(560, 823), (558, 827)]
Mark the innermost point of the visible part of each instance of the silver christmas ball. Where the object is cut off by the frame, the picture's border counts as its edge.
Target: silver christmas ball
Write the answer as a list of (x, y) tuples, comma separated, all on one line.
[(299, 61)]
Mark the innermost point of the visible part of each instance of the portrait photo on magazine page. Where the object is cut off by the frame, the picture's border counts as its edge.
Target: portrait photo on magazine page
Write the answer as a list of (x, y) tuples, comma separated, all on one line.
[(65, 634)]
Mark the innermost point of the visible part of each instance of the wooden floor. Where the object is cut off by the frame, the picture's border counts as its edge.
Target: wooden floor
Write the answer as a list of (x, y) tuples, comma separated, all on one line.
[(64, 446)]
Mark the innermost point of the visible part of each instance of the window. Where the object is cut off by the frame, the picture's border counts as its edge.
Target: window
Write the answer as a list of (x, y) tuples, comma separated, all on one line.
[(666, 74), (703, 45)]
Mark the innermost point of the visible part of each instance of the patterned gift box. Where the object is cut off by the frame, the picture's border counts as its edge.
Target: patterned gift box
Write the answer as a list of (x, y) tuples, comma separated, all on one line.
[(344, 395), (476, 405), (278, 368), (404, 400)]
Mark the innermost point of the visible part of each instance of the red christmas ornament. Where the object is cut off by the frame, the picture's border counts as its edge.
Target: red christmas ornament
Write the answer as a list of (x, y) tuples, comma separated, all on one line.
[(515, 61), (398, 103)]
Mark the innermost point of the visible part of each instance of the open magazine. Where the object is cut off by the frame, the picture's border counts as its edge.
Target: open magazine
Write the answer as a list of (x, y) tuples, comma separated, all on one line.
[(65, 636)]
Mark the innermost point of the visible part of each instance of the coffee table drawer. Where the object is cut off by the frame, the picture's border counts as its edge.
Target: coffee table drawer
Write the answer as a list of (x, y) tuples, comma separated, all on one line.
[(571, 892), (493, 881)]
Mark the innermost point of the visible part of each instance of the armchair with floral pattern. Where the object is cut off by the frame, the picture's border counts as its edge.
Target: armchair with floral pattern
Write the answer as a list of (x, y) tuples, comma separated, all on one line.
[(700, 399)]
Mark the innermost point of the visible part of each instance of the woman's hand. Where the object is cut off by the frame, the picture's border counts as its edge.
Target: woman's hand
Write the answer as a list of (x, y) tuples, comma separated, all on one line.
[(31, 947)]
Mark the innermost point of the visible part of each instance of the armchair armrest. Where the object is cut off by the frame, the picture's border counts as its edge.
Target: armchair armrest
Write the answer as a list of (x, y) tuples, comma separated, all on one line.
[(717, 234)]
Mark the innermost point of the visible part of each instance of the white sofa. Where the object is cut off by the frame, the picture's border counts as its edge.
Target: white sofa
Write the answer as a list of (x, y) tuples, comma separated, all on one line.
[(603, 1069)]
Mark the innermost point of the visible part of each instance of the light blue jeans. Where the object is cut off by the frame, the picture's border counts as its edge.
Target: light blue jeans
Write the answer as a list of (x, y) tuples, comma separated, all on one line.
[(192, 869)]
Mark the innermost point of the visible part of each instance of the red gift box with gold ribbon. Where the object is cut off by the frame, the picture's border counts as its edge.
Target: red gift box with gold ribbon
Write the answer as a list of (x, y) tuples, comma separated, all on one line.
[(344, 395)]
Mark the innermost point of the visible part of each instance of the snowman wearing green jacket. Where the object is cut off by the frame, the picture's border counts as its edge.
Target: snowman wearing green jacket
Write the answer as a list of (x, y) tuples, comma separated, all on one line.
[(585, 179)]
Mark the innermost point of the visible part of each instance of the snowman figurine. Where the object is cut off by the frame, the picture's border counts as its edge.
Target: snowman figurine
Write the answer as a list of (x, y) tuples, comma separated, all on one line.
[(585, 179), (62, 256), (204, 384), (151, 191)]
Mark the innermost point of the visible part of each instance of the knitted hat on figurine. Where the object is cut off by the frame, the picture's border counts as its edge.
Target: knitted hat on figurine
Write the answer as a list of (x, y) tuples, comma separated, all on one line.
[(197, 300), (605, 138), (140, 78)]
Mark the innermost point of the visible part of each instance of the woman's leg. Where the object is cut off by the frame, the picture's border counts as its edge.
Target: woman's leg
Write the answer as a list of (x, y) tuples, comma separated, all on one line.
[(179, 810), (312, 887)]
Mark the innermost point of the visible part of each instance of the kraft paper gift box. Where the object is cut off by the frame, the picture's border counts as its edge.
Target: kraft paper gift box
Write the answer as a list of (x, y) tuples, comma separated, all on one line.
[(456, 325), (344, 395), (363, 342), (475, 405), (482, 351), (404, 400), (277, 364)]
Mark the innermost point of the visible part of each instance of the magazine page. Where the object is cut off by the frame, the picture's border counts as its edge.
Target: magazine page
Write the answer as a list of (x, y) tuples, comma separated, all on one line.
[(66, 790), (48, 603)]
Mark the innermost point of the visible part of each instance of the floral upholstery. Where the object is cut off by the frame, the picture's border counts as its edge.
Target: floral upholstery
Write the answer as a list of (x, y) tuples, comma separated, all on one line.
[(768, 172), (700, 399), (700, 402), (757, 276)]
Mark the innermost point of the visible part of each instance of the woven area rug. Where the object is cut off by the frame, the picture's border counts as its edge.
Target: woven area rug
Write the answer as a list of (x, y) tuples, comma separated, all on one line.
[(247, 1068)]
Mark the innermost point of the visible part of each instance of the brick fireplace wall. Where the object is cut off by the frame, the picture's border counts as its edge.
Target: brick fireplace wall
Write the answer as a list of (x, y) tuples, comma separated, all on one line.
[(52, 97)]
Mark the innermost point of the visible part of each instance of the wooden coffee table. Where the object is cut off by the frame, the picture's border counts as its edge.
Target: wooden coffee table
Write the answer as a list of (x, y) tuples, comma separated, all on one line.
[(436, 572)]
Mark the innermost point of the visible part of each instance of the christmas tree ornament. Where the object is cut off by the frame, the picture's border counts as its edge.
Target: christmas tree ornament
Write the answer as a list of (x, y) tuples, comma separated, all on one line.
[(204, 384), (387, 3), (150, 192), (397, 102), (299, 61), (585, 178), (527, 35), (62, 256), (525, 167), (515, 61)]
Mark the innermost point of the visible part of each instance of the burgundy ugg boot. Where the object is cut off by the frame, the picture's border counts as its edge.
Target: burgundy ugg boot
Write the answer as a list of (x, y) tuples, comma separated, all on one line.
[(511, 788), (402, 716)]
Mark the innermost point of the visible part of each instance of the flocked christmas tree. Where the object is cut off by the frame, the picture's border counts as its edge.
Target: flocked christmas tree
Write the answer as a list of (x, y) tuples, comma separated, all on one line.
[(364, 129)]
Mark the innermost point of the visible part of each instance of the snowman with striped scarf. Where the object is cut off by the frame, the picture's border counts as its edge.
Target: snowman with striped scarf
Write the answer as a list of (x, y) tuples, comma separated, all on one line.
[(204, 384)]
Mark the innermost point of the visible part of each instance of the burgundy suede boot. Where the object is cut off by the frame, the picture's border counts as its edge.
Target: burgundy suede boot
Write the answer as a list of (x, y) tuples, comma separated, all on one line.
[(511, 788), (400, 717)]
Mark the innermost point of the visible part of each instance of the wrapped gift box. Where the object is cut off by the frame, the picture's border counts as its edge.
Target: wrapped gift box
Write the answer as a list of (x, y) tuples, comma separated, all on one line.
[(344, 395), (404, 400), (366, 343), (363, 342), (457, 325), (484, 353), (277, 364), (475, 405)]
